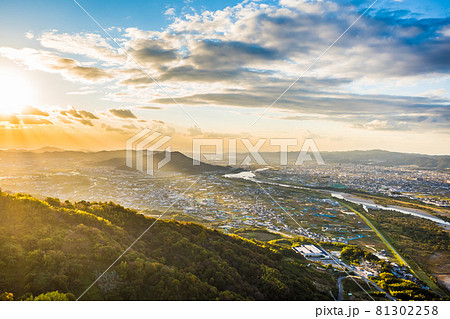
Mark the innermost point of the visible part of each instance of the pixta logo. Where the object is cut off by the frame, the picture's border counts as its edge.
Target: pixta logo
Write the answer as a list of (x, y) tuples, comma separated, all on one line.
[(253, 150), (141, 150), (144, 153)]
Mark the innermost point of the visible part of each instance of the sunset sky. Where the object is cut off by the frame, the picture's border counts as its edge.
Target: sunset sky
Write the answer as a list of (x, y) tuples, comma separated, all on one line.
[(219, 66)]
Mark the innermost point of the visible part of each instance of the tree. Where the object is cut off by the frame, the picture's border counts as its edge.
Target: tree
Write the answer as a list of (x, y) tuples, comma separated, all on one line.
[(53, 296), (7, 296)]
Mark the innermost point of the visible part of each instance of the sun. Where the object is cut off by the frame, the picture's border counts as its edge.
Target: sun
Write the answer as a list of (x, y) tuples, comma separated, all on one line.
[(15, 92)]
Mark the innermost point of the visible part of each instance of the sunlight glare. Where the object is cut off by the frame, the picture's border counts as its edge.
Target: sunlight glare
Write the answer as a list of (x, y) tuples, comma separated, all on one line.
[(15, 92)]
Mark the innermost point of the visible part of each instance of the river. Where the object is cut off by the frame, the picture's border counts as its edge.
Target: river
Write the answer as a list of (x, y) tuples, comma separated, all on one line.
[(370, 204), (367, 203)]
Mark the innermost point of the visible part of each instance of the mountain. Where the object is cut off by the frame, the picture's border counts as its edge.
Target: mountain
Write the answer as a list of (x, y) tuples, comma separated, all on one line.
[(47, 149), (59, 249), (385, 158), (372, 157), (179, 163)]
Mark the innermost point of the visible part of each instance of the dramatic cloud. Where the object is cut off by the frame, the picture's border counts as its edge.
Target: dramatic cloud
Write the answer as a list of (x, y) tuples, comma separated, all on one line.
[(73, 119), (230, 54), (150, 51), (245, 56)]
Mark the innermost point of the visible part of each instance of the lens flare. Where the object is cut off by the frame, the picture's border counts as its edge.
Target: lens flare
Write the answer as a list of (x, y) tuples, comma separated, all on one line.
[(15, 92)]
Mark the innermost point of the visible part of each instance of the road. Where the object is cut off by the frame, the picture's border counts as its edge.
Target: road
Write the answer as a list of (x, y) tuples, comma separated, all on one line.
[(390, 247), (383, 239), (341, 289)]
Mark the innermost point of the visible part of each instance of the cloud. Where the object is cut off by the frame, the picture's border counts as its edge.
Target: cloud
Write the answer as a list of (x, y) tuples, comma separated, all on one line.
[(152, 51), (29, 35), (50, 62), (85, 122), (435, 93), (29, 110), (86, 44), (82, 116), (72, 112), (25, 119), (88, 115), (130, 127), (81, 92), (90, 73), (122, 113), (35, 121), (72, 121), (169, 12), (11, 119), (149, 107), (246, 55), (195, 131), (282, 38), (109, 128), (188, 74), (373, 112), (225, 54)]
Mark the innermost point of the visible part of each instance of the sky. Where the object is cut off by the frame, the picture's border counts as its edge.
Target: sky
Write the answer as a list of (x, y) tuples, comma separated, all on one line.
[(216, 69)]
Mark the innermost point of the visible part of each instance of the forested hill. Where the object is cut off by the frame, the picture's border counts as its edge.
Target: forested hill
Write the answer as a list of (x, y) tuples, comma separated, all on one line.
[(48, 246)]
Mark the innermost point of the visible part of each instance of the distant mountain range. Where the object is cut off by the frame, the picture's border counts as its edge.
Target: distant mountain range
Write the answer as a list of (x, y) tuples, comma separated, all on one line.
[(184, 164), (385, 158), (179, 163), (372, 157)]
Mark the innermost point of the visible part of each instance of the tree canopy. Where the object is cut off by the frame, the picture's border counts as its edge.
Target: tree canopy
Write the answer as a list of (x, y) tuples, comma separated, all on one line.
[(53, 251)]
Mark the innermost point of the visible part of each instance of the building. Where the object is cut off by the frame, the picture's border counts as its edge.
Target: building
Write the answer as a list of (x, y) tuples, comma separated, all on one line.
[(309, 251)]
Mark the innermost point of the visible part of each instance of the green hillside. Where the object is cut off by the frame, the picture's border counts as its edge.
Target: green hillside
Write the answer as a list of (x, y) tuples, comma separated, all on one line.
[(48, 246)]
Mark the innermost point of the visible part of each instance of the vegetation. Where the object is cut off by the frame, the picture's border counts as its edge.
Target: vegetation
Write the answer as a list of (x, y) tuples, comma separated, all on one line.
[(393, 237), (52, 296), (55, 250), (257, 233), (420, 238), (403, 289), (419, 231), (385, 238), (354, 254), (358, 290)]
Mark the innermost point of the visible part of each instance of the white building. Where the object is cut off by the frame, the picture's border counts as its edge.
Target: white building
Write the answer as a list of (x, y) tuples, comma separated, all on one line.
[(309, 251)]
